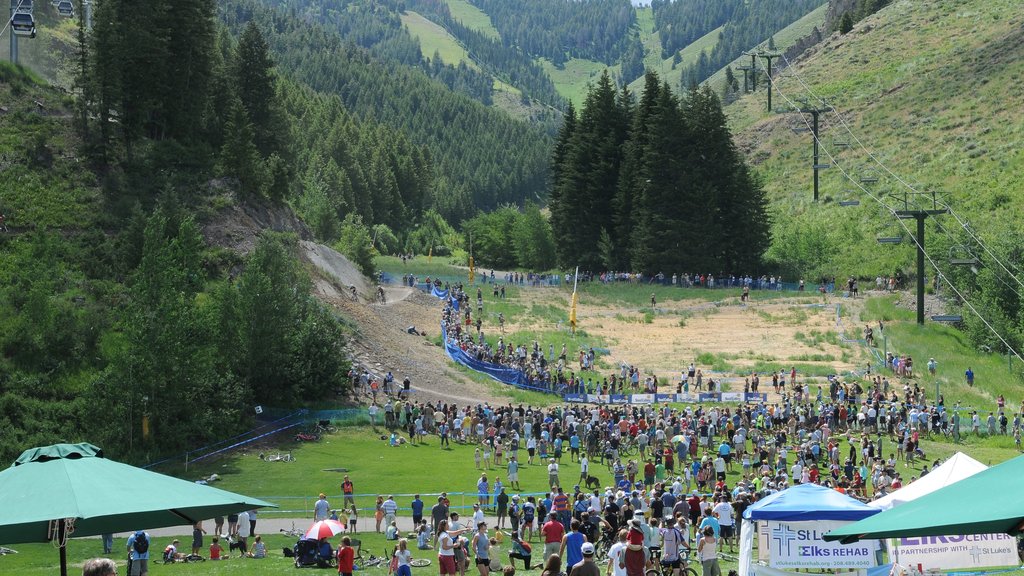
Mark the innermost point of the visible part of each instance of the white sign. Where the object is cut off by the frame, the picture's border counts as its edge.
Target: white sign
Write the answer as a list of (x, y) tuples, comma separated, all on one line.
[(800, 545), (732, 396), (643, 398), (970, 551)]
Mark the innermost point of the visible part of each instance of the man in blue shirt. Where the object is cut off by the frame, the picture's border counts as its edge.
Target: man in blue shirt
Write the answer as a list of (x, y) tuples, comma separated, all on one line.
[(138, 554), (417, 510)]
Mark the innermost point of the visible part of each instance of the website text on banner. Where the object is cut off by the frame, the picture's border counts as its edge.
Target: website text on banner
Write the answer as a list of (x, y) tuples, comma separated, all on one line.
[(969, 551)]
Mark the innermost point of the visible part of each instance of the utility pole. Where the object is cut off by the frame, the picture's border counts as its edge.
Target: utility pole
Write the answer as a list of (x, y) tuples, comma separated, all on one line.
[(753, 70), (919, 215), (746, 78), (10, 31), (768, 59), (815, 114)]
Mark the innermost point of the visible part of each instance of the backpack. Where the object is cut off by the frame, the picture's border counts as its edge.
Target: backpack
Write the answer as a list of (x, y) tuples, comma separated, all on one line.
[(141, 543)]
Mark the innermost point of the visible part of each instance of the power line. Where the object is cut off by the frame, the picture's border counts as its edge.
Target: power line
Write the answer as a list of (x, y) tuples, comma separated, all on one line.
[(902, 224), (898, 178)]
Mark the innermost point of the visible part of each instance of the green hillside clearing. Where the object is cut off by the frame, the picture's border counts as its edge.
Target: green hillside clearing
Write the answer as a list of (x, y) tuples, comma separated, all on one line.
[(472, 17), (435, 39), (688, 56), (572, 80), (649, 37)]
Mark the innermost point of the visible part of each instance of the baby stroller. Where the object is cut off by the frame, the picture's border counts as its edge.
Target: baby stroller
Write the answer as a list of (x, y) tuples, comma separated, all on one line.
[(307, 555)]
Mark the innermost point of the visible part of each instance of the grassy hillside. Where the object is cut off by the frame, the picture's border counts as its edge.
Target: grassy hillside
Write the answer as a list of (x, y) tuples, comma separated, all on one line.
[(934, 90), (472, 17), (573, 79), (433, 38), (649, 37), (688, 56), (783, 40)]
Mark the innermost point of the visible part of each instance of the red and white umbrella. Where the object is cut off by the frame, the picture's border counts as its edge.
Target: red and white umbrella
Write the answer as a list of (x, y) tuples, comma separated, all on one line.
[(325, 529)]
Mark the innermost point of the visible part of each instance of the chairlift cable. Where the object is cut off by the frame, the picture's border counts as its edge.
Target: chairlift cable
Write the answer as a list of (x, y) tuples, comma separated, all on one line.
[(871, 155), (903, 225)]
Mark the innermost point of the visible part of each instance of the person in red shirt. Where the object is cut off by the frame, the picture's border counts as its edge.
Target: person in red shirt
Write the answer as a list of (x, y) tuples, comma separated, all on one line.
[(553, 532), (215, 549), (346, 557)]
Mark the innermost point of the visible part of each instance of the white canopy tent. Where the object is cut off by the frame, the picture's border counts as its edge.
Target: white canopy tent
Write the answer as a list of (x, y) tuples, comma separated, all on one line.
[(958, 467)]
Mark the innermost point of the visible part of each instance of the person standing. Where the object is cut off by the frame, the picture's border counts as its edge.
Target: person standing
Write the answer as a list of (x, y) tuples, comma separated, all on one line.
[(417, 510), (252, 522), (617, 556), (99, 567), (572, 545), (321, 509), (346, 557), (513, 473), (403, 556), (553, 532), (584, 469), (243, 533), (586, 566), (138, 553), (378, 511), (969, 374), (390, 508), (348, 492), (481, 546), (707, 552), (108, 543), (438, 514), (552, 473), (197, 537)]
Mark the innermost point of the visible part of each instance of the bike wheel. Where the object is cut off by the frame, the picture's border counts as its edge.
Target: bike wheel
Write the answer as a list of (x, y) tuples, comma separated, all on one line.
[(652, 572), (689, 572), (419, 562)]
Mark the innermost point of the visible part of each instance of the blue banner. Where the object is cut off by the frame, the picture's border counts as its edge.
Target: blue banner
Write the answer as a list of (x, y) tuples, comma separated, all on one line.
[(440, 293), (500, 373), (575, 397), (755, 397), (706, 397), (664, 397)]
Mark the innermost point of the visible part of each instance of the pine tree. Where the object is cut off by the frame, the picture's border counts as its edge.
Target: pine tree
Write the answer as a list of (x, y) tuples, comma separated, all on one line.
[(239, 156), (255, 88)]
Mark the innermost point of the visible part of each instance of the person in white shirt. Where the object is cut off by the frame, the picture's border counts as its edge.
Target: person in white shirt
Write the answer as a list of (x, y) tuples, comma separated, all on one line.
[(553, 474), (725, 512), (584, 468), (617, 556), (243, 533)]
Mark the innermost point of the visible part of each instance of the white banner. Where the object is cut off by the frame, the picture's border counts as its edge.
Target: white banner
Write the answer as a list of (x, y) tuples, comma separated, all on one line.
[(643, 398), (969, 551), (800, 545), (732, 396)]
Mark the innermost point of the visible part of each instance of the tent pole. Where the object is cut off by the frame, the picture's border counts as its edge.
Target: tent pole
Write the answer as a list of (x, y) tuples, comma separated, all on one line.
[(63, 548)]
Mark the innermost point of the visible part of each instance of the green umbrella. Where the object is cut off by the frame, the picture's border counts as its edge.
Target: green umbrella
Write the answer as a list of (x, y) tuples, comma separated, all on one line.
[(69, 490), (989, 506)]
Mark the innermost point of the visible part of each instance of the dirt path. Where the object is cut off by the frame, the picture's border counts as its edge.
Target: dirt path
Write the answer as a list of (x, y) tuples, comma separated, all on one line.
[(382, 341)]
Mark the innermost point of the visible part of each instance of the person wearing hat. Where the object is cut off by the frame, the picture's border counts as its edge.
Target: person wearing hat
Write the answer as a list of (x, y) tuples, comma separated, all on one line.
[(635, 559), (514, 513), (321, 509), (586, 566), (553, 473)]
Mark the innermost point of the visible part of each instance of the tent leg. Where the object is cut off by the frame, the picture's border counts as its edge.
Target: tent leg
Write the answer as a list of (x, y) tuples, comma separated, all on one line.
[(63, 548)]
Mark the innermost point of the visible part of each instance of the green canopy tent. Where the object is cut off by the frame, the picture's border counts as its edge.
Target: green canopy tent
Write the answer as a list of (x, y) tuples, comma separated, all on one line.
[(55, 492), (984, 503)]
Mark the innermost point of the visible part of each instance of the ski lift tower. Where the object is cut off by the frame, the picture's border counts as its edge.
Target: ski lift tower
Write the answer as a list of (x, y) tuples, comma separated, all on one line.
[(919, 214)]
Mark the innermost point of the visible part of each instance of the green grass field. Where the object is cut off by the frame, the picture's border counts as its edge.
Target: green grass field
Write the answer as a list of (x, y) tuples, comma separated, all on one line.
[(688, 56), (472, 17), (436, 40), (574, 79)]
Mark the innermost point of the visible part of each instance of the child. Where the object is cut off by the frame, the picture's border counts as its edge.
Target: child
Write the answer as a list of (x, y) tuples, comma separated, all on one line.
[(259, 549), (215, 549), (171, 553), (346, 557), (476, 457), (423, 536), (403, 555), (352, 519)]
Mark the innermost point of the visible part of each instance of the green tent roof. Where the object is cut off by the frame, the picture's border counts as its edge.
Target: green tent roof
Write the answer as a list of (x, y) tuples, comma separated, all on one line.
[(985, 503), (75, 481)]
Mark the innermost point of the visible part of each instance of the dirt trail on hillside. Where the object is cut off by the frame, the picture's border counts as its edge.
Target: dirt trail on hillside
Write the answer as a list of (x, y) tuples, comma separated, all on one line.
[(382, 342)]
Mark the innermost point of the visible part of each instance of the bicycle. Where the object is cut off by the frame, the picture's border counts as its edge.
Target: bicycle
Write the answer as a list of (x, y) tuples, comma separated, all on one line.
[(658, 569), (293, 532), (278, 457)]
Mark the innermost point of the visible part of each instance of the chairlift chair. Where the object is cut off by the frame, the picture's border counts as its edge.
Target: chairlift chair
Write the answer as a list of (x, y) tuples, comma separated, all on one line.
[(22, 6), (23, 24), (66, 8)]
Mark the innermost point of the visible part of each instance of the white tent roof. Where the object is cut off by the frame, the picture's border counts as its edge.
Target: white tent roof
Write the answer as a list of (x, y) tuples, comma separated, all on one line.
[(958, 467)]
